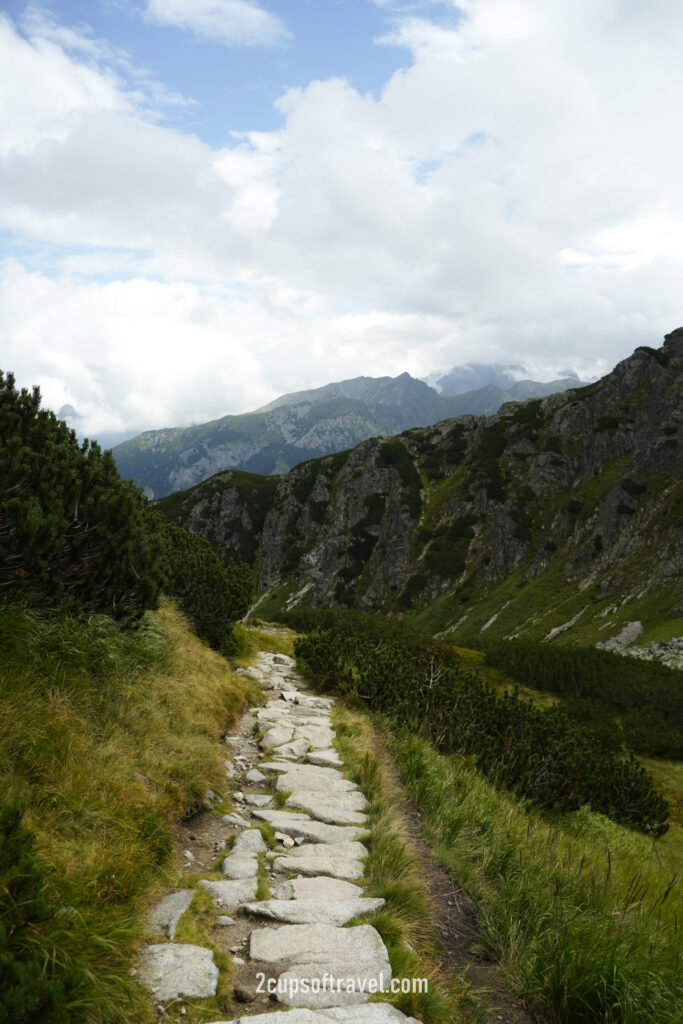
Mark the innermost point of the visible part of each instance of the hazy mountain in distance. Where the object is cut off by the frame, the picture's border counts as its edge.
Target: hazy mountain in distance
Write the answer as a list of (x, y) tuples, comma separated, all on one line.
[(105, 438), (301, 426), (556, 517), (474, 376)]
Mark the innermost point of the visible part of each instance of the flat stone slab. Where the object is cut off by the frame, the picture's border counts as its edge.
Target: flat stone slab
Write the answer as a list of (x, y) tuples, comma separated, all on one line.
[(329, 790), (317, 943), (342, 860), (249, 841), (319, 736), (289, 717), (333, 811), (292, 750), (312, 774), (319, 887), (272, 714), (354, 957), (164, 917), (276, 736), (324, 758), (174, 969), (301, 826), (314, 702), (312, 911), (254, 775), (299, 1016), (230, 894), (240, 865), (258, 799), (373, 1013), (311, 715), (309, 984), (236, 820), (351, 799), (283, 659)]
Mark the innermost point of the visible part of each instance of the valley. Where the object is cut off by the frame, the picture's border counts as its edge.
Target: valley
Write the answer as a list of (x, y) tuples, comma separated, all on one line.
[(420, 640), (557, 519), (309, 424)]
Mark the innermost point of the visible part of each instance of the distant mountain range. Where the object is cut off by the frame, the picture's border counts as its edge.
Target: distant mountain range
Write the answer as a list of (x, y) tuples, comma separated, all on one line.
[(556, 517), (322, 421)]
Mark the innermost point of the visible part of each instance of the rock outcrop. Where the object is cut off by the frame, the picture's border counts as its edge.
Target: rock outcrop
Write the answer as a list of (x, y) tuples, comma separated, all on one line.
[(301, 426), (579, 493)]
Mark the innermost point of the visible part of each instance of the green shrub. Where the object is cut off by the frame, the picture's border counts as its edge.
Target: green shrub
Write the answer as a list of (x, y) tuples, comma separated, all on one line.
[(394, 454), (661, 357), (530, 417), (632, 487), (72, 532), (37, 984), (608, 422), (210, 593), (541, 754), (647, 696), (485, 460)]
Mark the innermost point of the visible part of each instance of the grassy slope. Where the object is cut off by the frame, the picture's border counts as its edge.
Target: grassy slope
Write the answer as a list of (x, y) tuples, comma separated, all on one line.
[(392, 872), (534, 605), (667, 775), (581, 913), (584, 915), (88, 713)]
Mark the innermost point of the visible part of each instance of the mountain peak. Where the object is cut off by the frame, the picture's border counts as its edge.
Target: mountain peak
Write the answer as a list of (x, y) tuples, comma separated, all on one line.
[(305, 425)]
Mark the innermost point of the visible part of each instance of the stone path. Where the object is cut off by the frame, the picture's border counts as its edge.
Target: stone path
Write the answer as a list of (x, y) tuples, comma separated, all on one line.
[(296, 947)]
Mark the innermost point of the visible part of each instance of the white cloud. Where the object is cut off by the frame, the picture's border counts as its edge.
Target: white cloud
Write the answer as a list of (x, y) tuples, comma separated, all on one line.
[(512, 195), (232, 22), (128, 355)]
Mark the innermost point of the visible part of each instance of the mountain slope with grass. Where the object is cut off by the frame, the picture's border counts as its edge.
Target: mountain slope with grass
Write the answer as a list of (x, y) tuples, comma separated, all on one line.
[(111, 710), (558, 518), (108, 735), (302, 426)]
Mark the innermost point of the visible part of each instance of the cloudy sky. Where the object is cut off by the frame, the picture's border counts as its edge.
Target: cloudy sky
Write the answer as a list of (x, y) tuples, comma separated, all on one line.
[(208, 203)]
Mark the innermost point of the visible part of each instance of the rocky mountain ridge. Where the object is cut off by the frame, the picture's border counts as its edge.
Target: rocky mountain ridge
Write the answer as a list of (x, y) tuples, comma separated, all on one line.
[(559, 518), (303, 425)]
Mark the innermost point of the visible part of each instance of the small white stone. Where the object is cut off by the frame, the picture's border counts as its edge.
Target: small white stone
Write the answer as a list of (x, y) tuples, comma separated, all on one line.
[(240, 865), (258, 799), (236, 820), (173, 969), (166, 914), (249, 842), (230, 893), (312, 911)]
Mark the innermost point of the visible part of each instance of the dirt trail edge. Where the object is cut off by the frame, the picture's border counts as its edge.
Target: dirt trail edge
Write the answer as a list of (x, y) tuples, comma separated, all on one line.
[(454, 924)]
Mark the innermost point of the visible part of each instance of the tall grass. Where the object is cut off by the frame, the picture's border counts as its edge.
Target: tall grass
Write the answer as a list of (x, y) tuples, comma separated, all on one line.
[(392, 871), (583, 915), (107, 737)]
